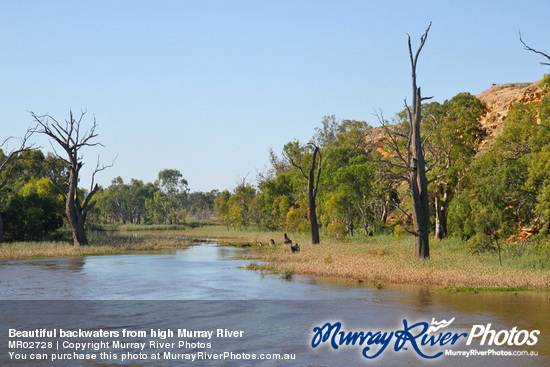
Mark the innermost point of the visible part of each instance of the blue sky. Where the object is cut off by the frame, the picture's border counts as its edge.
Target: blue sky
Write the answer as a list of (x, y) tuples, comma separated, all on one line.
[(207, 87)]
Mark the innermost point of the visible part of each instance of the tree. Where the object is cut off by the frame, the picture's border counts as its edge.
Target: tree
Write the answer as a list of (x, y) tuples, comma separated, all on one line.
[(222, 207), (6, 165), (508, 179), (407, 161), (455, 134), (239, 205), (174, 187), (34, 212), (417, 168), (71, 137), (313, 174)]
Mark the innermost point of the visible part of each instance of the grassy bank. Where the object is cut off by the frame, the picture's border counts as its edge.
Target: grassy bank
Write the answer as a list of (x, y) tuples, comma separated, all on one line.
[(390, 259), (387, 258), (375, 260), (101, 243)]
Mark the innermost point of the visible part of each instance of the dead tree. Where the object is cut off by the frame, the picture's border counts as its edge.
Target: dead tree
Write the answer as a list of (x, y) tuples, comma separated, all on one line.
[(312, 177), (71, 137), (6, 166), (407, 161), (417, 171)]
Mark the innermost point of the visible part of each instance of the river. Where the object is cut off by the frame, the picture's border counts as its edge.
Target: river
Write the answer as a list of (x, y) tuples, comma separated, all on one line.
[(204, 287)]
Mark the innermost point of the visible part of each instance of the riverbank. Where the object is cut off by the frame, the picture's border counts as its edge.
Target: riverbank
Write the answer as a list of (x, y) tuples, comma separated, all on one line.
[(372, 260), (390, 259), (101, 243)]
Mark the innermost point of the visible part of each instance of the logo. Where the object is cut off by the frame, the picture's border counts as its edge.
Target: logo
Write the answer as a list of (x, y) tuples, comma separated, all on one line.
[(439, 325), (421, 337)]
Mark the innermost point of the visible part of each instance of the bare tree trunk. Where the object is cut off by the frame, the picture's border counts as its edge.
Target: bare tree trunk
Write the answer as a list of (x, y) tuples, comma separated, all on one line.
[(75, 213), (311, 195), (417, 177), (312, 210), (79, 234), (440, 229), (312, 186)]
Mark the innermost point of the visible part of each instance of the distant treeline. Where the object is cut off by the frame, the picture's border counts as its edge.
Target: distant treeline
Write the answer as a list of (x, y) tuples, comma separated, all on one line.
[(33, 209)]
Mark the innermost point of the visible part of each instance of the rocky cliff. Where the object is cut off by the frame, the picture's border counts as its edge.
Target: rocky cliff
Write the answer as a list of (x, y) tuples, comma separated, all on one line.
[(501, 97)]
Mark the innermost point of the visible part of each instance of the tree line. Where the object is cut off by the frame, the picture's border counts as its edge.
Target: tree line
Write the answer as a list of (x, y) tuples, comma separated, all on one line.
[(480, 192), (32, 208)]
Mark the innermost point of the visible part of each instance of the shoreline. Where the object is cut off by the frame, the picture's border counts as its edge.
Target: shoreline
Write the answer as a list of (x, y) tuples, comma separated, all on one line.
[(370, 260)]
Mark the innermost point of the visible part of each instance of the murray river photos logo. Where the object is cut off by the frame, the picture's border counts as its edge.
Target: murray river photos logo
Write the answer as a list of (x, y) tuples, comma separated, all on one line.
[(427, 340)]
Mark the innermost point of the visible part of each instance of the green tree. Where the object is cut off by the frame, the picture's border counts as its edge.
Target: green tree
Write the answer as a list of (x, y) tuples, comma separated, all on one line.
[(508, 178), (239, 205), (6, 165), (221, 204), (34, 212), (175, 188), (455, 134)]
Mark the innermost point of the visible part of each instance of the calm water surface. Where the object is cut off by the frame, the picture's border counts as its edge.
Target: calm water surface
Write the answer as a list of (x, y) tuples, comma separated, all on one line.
[(209, 280)]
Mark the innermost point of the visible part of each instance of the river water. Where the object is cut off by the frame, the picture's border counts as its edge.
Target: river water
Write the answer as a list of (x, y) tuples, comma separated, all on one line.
[(203, 287)]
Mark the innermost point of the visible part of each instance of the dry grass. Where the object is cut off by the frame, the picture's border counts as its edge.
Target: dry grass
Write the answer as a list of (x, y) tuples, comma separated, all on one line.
[(388, 259), (100, 244)]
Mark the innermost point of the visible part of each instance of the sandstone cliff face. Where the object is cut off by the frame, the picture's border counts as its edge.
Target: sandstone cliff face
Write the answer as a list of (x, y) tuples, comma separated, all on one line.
[(501, 97)]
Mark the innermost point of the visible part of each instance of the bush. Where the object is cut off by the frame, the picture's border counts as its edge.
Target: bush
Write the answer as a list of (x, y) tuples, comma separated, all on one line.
[(337, 230)]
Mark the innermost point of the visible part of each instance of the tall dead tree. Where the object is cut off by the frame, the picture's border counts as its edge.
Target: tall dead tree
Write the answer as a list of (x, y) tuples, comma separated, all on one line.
[(6, 166), (406, 161), (312, 187), (417, 171), (71, 137)]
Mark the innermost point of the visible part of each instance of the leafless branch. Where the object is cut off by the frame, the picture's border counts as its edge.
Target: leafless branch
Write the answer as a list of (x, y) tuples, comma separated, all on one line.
[(398, 207), (422, 41), (99, 168), (298, 165), (535, 51)]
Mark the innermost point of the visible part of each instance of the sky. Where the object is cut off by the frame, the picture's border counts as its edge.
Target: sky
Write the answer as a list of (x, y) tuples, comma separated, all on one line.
[(207, 87)]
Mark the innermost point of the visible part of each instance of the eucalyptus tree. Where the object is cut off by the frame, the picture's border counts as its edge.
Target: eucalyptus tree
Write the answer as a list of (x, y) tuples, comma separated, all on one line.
[(6, 164), (454, 135)]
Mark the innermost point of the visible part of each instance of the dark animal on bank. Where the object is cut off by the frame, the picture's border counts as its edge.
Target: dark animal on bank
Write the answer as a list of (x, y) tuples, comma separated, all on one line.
[(294, 248), (271, 242), (287, 240)]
